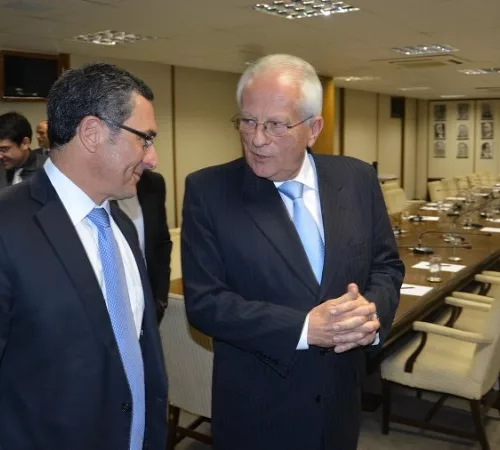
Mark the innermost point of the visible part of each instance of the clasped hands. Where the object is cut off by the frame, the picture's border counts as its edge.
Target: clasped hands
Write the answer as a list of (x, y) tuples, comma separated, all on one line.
[(343, 323)]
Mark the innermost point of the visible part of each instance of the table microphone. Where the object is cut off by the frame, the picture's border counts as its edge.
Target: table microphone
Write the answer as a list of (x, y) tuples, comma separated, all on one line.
[(420, 250)]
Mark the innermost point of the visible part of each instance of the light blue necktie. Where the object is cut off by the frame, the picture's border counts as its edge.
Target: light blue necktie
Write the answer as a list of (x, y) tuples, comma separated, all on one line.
[(306, 227), (122, 320)]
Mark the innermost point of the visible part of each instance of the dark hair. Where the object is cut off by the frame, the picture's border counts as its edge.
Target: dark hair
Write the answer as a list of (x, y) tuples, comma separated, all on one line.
[(15, 127), (97, 89)]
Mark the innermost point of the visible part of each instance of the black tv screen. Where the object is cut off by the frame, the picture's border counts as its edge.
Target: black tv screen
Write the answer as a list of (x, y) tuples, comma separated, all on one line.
[(28, 77)]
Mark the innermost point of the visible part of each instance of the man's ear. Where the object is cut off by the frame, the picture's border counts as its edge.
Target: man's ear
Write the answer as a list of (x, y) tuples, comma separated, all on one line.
[(315, 125), (25, 143), (91, 133)]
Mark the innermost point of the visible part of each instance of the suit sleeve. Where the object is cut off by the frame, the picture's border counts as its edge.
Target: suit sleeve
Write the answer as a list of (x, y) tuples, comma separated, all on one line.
[(6, 297), (163, 246), (267, 330), (387, 269)]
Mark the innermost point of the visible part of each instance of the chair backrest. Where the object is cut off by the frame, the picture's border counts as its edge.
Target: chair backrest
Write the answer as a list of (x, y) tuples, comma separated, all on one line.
[(436, 191), (462, 183), (486, 363), (175, 259), (389, 185), (395, 200), (450, 187), (474, 180), (188, 360)]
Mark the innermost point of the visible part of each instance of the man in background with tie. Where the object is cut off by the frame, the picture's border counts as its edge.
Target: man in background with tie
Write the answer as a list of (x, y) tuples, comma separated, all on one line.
[(81, 364), (290, 264), (17, 161)]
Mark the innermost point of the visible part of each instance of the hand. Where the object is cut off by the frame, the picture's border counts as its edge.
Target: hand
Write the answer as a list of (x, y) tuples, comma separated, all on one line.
[(356, 325), (324, 317)]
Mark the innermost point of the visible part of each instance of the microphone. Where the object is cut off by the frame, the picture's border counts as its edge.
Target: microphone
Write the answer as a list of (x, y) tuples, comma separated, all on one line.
[(468, 224), (421, 250)]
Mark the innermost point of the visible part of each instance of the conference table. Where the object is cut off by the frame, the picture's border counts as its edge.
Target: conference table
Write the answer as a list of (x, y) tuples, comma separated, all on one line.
[(483, 254)]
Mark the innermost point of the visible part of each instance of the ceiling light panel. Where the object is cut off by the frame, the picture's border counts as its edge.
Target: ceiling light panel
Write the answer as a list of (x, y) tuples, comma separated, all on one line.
[(414, 88), (486, 71), (111, 37), (419, 50), (303, 9), (366, 78), (453, 96)]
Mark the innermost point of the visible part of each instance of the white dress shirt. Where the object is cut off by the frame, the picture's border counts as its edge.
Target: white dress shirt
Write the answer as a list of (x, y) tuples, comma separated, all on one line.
[(308, 177), (132, 208), (78, 205), (17, 177)]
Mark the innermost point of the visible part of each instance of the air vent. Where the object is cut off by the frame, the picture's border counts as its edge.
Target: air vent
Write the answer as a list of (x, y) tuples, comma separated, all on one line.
[(489, 89), (423, 62)]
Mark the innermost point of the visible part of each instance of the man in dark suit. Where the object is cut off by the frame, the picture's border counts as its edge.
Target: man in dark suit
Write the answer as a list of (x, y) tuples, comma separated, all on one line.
[(17, 161), (289, 284), (81, 363), (42, 137), (148, 213)]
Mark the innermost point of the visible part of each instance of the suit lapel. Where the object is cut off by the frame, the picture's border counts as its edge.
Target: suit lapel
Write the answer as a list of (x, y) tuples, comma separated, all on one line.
[(334, 208), (60, 232), (265, 206)]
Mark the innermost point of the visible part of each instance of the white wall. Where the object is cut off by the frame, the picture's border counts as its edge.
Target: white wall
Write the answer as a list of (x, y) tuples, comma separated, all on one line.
[(410, 147), (204, 135), (389, 134), (360, 125), (422, 149)]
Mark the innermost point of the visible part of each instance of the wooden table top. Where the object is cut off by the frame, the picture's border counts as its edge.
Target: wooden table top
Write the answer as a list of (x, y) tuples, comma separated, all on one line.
[(484, 253)]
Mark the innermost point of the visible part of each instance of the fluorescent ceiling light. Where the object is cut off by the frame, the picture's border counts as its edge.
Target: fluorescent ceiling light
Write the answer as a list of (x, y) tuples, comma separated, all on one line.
[(302, 9), (415, 88), (419, 50), (111, 37), (453, 96), (486, 71), (367, 78)]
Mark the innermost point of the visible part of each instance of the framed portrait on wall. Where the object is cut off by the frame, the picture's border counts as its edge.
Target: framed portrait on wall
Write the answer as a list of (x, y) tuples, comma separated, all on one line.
[(440, 130), (462, 150), (462, 111), (486, 150), (439, 112), (463, 132), (486, 111), (440, 149), (486, 130)]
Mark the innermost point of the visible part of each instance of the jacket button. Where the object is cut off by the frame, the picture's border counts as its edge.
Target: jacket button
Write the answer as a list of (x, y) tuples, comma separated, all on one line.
[(126, 407), (318, 398)]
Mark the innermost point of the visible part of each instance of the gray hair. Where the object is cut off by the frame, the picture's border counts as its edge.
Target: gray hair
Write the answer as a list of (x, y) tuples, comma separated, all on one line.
[(312, 92)]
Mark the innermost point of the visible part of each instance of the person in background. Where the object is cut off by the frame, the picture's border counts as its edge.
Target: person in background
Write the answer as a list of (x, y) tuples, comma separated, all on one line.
[(148, 213), (42, 138), (287, 257), (81, 363), (17, 161)]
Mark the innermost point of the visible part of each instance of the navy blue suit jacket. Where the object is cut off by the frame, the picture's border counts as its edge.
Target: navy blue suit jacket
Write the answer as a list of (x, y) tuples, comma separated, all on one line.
[(62, 384), (248, 283)]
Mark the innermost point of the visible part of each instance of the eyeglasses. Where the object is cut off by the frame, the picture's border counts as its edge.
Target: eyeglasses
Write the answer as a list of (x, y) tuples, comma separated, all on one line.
[(271, 127), (148, 138)]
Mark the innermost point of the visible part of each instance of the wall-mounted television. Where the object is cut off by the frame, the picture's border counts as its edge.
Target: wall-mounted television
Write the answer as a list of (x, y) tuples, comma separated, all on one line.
[(29, 76)]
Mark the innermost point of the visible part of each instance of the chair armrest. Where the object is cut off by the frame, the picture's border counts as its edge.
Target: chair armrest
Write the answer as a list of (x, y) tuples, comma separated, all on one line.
[(487, 279), (491, 273), (466, 336), (473, 297), (415, 202), (461, 303)]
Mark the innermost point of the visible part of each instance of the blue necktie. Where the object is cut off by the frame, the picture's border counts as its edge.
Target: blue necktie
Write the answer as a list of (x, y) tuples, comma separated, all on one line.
[(306, 227), (122, 321)]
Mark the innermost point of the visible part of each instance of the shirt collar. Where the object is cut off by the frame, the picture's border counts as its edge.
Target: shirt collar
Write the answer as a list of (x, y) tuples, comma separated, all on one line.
[(76, 202), (306, 175)]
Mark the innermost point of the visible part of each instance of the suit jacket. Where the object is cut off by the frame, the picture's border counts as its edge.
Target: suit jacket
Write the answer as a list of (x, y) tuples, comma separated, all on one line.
[(32, 165), (151, 192), (62, 383), (248, 283)]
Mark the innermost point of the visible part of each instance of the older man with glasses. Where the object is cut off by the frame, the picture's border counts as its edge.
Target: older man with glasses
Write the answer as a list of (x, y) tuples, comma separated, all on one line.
[(290, 264)]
